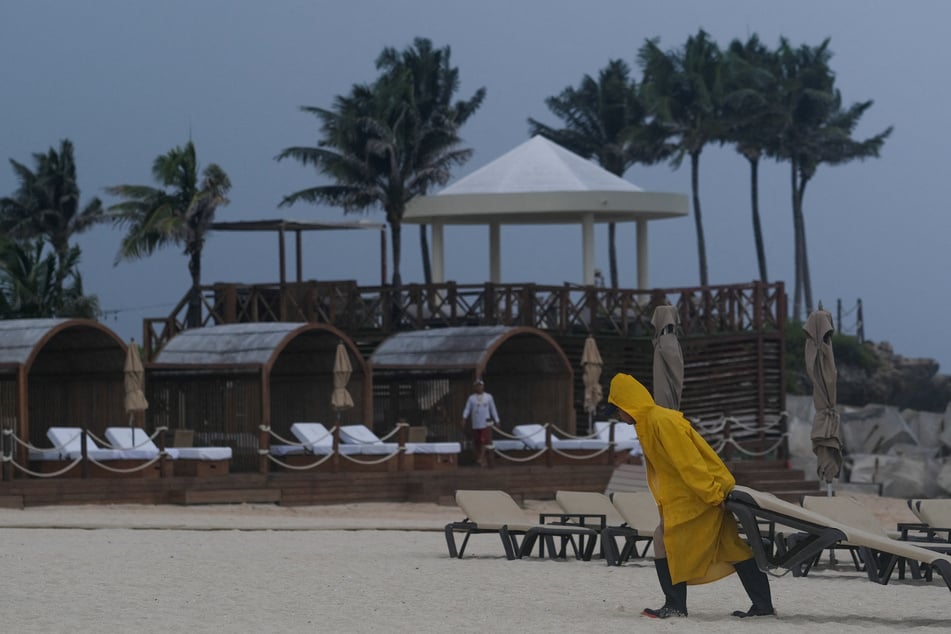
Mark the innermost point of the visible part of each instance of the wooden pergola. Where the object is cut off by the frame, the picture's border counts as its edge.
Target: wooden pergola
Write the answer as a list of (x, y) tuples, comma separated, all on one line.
[(297, 227)]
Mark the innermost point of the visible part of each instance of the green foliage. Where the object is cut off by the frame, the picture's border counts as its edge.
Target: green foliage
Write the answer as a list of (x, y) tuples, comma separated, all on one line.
[(33, 285), (386, 142), (848, 351), (39, 274)]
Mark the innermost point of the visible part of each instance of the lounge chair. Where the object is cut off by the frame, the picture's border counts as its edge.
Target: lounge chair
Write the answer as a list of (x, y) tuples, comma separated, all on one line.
[(850, 512), (67, 447), (625, 436), (589, 505), (879, 553), (496, 512), (425, 455), (639, 511), (529, 441), (935, 519), (187, 461)]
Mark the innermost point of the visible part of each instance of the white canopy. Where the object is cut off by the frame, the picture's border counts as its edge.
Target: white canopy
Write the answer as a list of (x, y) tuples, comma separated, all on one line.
[(540, 182)]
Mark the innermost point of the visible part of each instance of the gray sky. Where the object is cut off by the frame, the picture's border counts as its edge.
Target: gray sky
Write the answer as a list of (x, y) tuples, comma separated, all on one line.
[(126, 80)]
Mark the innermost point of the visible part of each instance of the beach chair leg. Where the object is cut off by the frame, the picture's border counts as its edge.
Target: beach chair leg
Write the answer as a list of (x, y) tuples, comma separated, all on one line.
[(451, 542), (609, 549), (508, 543)]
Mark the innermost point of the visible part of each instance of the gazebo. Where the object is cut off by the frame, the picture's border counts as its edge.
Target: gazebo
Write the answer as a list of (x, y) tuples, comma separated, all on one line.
[(59, 372), (225, 382), (425, 377), (540, 182)]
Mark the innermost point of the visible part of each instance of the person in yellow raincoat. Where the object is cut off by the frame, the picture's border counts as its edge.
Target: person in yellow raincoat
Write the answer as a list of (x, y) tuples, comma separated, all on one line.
[(697, 540)]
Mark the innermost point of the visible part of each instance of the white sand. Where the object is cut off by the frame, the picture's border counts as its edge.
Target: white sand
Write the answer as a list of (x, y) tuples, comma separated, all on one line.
[(260, 568)]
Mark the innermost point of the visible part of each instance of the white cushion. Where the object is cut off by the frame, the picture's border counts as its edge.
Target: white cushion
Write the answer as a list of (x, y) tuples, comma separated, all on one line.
[(358, 435), (532, 434), (67, 439), (508, 444), (433, 447), (200, 453), (313, 435), (130, 438)]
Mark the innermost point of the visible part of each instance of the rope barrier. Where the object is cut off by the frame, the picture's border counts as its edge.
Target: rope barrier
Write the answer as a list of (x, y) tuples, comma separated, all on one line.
[(372, 462), (52, 474), (502, 454), (287, 465), (141, 467), (579, 457)]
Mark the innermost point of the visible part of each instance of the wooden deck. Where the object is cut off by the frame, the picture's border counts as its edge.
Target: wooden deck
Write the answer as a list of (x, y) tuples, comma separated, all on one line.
[(297, 489), (306, 488)]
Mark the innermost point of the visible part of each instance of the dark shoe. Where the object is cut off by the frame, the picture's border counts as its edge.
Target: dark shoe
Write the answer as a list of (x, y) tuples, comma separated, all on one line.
[(662, 613), (754, 611)]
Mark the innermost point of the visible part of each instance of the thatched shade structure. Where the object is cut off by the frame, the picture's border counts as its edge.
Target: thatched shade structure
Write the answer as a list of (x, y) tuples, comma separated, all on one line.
[(223, 382), (425, 377), (59, 372)]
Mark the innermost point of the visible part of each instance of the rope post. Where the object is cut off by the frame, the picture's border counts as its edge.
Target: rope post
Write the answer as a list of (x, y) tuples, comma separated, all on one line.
[(402, 429), (612, 454), (85, 455), (264, 442), (163, 458), (335, 463), (549, 454), (727, 435), (7, 473), (490, 451)]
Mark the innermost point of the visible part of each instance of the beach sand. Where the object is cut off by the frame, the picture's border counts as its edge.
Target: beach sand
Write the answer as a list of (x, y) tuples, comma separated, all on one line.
[(379, 567)]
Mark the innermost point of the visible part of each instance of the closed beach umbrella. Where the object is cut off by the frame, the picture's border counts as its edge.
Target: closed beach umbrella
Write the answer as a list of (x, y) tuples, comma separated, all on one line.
[(341, 399), (668, 372), (820, 365), (134, 372), (591, 365)]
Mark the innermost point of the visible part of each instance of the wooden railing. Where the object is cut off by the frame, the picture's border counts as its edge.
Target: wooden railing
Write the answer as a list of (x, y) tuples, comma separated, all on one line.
[(741, 308)]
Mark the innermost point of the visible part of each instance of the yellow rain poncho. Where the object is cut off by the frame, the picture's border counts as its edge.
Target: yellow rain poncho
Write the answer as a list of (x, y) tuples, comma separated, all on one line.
[(689, 483)]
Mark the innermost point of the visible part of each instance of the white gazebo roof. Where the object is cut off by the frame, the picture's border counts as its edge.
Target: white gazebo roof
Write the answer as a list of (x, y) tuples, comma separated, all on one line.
[(540, 182)]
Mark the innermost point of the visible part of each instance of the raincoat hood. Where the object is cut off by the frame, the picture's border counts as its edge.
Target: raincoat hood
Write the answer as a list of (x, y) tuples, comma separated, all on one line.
[(630, 395)]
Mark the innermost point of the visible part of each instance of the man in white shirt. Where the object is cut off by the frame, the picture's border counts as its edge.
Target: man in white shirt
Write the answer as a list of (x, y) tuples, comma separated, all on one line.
[(480, 410)]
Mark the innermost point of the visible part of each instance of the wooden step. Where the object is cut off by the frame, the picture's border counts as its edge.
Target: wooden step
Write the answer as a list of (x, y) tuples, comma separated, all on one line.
[(225, 496)]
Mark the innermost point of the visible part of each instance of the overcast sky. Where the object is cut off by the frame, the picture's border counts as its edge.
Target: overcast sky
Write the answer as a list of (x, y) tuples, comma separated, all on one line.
[(126, 80)]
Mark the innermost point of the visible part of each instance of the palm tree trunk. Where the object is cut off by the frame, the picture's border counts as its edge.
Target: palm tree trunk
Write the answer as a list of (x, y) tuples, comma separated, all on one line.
[(193, 319), (797, 244), (395, 228), (612, 253), (698, 219), (801, 218), (757, 225), (424, 247)]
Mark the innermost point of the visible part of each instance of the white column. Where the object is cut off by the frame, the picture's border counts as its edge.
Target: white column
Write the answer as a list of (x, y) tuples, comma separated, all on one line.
[(587, 248), (439, 272), (495, 258), (642, 282)]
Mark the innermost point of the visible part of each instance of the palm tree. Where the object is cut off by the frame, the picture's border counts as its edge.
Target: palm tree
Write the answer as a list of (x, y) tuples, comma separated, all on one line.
[(180, 212), (816, 130), (46, 203), (434, 82), (605, 119), (391, 140), (753, 117), (682, 89), (33, 285)]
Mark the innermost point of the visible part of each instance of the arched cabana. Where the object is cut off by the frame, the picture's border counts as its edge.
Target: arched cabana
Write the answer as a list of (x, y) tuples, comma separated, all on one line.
[(537, 183), (224, 382), (59, 372), (425, 377)]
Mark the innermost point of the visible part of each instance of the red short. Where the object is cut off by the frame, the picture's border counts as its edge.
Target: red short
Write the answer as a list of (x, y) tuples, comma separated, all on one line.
[(481, 437)]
